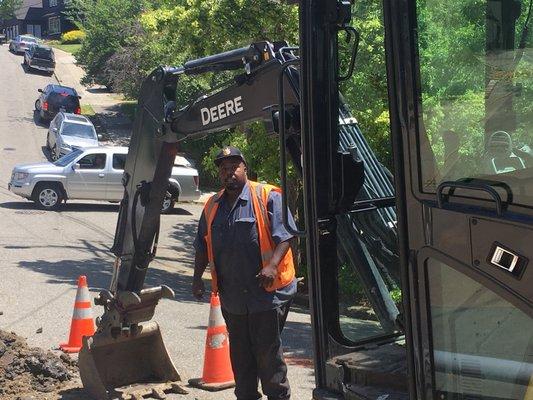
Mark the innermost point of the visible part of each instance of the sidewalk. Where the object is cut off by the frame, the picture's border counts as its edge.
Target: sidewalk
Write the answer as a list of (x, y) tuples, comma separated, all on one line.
[(109, 121)]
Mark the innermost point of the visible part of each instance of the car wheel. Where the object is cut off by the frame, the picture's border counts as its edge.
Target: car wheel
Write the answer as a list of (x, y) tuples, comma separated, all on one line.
[(168, 203), (48, 196), (37, 105), (53, 153)]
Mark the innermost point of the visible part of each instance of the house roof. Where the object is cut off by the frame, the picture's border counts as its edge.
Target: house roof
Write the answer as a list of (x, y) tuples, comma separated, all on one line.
[(26, 6), (34, 13)]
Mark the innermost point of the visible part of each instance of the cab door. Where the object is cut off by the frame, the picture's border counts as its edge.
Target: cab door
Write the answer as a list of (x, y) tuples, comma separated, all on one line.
[(88, 179), (115, 188), (461, 89)]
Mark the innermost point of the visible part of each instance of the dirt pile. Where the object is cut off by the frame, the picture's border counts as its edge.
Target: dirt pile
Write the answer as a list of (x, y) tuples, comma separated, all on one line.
[(26, 372)]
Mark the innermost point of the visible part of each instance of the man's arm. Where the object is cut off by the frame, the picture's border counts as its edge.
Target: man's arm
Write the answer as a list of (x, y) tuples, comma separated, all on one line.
[(268, 273), (280, 236), (200, 264)]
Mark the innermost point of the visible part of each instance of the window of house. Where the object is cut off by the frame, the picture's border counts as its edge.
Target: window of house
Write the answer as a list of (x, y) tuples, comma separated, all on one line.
[(54, 25), (53, 3)]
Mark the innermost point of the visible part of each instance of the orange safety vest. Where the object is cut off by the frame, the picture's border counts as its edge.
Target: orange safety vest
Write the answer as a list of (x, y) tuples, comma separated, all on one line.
[(259, 194)]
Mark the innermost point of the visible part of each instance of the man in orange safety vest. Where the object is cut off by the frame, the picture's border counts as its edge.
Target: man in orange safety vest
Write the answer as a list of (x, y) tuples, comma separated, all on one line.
[(242, 238)]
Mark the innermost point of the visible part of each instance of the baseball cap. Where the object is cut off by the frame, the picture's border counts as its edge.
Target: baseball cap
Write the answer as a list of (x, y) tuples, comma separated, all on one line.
[(228, 152)]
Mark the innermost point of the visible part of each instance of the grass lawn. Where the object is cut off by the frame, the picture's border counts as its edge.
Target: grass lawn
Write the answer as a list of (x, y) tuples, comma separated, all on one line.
[(86, 109), (128, 108), (69, 48)]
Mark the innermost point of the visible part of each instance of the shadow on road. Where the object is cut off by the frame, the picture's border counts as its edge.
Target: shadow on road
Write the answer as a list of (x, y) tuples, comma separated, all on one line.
[(19, 205), (179, 211), (47, 153), (98, 271), (82, 207), (38, 121), (32, 71), (184, 235), (96, 90), (298, 343), (98, 267)]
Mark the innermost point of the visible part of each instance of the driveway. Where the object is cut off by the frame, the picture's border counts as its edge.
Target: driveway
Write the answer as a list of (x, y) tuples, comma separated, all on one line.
[(43, 253)]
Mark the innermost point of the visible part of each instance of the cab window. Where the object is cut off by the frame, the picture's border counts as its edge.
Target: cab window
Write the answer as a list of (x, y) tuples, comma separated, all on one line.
[(93, 161), (119, 161), (476, 95)]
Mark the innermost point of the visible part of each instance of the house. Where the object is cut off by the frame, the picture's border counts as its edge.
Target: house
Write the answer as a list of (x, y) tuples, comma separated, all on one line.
[(40, 18)]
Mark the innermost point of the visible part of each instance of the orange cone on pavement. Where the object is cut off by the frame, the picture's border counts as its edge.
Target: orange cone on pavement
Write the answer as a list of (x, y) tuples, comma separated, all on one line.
[(217, 374), (82, 318)]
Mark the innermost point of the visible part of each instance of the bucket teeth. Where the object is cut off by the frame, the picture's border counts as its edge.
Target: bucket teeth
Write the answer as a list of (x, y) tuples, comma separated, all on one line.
[(148, 391), (157, 393), (176, 388)]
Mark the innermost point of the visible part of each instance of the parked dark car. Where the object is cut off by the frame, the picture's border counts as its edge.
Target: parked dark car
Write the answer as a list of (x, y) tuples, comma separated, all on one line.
[(40, 57), (55, 98), (3, 38)]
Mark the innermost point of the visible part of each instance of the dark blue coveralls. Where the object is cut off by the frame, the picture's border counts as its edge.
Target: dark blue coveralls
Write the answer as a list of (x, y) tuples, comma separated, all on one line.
[(254, 317)]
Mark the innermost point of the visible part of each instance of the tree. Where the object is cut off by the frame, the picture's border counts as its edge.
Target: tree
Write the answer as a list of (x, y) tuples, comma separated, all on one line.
[(107, 24), (177, 31), (8, 8)]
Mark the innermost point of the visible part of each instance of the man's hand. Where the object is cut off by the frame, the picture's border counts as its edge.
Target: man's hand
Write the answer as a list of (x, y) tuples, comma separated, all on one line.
[(267, 275), (198, 288)]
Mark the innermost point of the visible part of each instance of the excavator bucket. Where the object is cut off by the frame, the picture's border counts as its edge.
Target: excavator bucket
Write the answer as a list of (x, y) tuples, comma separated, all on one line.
[(128, 359), (109, 365)]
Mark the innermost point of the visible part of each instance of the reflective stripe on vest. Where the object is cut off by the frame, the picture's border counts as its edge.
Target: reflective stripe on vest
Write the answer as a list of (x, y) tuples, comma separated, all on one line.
[(259, 195)]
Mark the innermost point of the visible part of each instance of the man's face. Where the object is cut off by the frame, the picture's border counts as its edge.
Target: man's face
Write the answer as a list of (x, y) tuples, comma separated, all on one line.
[(232, 173)]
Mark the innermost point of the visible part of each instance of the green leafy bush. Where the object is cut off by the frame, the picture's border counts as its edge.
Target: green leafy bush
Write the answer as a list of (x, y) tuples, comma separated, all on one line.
[(72, 37)]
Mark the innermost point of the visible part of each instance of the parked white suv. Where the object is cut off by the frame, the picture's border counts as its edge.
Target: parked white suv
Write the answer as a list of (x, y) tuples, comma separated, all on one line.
[(69, 131), (92, 174)]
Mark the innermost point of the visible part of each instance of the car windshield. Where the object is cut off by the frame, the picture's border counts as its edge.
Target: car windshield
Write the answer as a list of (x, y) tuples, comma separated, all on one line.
[(43, 53), (78, 130), (28, 39), (68, 158)]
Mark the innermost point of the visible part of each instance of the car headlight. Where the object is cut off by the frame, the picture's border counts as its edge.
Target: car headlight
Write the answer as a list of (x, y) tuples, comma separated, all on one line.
[(20, 176)]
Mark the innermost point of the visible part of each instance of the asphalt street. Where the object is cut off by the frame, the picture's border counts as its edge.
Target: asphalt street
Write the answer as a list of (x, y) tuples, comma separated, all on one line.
[(43, 253)]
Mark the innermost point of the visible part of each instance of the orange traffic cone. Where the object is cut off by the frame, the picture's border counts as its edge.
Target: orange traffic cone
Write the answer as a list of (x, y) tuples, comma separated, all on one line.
[(82, 319), (217, 374)]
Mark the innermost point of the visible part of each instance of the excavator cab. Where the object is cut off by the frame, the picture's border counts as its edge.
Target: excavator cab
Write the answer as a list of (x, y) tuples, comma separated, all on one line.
[(423, 287)]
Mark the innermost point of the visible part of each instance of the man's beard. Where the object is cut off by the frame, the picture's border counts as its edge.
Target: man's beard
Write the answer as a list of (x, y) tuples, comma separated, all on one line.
[(233, 184)]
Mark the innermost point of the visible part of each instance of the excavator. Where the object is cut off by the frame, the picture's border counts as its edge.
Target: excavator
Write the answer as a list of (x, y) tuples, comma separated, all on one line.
[(448, 224)]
